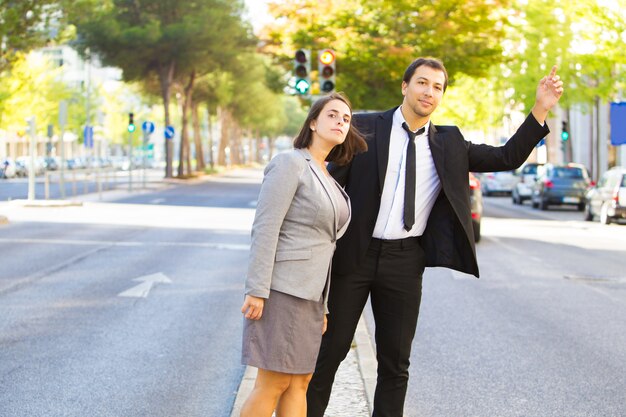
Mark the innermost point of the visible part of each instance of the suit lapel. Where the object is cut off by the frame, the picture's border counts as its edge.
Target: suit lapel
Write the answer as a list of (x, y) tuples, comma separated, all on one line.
[(437, 143), (383, 136)]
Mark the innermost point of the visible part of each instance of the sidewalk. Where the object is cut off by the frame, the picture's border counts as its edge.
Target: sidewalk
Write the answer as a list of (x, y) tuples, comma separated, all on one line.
[(353, 390)]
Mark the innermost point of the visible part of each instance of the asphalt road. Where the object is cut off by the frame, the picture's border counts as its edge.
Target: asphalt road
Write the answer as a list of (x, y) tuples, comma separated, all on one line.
[(71, 345), (541, 333)]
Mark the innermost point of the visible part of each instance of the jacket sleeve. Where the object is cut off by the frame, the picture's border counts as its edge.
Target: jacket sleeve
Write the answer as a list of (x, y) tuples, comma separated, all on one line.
[(282, 176), (485, 158)]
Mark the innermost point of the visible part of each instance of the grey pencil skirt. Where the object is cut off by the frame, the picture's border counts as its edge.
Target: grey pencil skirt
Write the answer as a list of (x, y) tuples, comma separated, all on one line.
[(287, 337)]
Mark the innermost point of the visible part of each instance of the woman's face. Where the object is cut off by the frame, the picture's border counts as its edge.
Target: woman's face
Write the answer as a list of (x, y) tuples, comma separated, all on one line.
[(333, 123)]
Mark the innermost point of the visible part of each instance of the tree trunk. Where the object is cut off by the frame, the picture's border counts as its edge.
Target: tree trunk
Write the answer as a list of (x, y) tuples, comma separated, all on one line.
[(210, 125), (197, 136), (224, 136), (235, 144), (270, 147), (166, 76), (184, 164)]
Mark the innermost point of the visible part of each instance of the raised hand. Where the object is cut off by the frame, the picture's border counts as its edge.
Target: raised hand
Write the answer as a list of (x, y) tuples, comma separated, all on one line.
[(549, 91)]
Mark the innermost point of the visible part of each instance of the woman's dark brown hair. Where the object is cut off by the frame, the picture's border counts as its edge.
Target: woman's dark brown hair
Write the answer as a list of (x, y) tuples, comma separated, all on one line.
[(340, 154)]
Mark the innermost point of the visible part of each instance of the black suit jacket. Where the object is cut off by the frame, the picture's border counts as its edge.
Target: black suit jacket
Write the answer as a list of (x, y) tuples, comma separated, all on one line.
[(449, 237)]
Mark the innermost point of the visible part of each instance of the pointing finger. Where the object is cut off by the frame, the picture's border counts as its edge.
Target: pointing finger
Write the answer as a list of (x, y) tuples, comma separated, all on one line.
[(553, 72)]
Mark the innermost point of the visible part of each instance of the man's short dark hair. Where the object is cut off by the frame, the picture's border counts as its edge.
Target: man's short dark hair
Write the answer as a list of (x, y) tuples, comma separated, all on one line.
[(433, 63)]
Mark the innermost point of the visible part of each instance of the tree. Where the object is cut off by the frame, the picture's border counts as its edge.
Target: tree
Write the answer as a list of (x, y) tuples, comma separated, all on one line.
[(248, 98), (31, 88), (24, 25), (176, 40), (375, 40)]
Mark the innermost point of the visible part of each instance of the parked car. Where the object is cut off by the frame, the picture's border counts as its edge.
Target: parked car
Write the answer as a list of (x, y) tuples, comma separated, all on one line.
[(51, 163), (476, 203), (497, 182), (608, 198), (20, 168), (523, 188), (561, 185), (24, 161)]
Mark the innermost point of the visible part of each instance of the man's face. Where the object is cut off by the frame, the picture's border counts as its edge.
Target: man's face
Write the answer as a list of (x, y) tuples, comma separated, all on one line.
[(424, 91)]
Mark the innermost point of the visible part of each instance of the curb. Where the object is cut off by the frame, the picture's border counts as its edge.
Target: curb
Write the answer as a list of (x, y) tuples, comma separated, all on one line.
[(367, 364), (46, 203)]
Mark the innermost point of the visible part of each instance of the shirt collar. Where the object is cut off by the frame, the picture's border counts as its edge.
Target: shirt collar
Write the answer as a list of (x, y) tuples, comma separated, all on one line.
[(398, 119)]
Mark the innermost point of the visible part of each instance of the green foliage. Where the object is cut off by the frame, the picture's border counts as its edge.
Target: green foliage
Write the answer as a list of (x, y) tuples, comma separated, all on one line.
[(376, 40), (144, 36), (495, 52), (25, 25), (31, 88), (581, 39)]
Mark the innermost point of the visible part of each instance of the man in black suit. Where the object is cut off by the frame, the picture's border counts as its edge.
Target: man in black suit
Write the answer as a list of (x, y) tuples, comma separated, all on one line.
[(404, 220)]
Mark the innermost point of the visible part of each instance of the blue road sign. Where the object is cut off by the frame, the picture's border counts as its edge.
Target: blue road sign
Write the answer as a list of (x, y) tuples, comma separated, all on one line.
[(147, 127), (88, 136), (618, 123), (169, 132)]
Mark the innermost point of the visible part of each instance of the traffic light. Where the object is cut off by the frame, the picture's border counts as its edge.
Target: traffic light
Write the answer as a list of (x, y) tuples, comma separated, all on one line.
[(326, 67), (564, 131), (302, 71), (131, 123)]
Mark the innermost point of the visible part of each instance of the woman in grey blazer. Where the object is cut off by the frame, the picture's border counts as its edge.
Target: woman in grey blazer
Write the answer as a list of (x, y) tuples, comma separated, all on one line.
[(301, 212)]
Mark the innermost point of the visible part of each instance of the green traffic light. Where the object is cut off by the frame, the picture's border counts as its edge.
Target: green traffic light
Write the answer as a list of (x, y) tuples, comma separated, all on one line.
[(302, 86), (131, 128), (564, 136)]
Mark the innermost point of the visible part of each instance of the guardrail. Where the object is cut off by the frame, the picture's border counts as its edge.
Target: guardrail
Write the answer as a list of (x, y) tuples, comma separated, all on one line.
[(101, 176)]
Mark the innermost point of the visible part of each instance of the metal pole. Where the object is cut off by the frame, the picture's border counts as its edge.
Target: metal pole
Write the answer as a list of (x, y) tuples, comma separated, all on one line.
[(130, 161), (62, 123), (33, 150), (143, 162)]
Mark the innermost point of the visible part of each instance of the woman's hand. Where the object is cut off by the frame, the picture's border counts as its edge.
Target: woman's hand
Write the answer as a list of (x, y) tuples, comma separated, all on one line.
[(325, 324), (253, 307)]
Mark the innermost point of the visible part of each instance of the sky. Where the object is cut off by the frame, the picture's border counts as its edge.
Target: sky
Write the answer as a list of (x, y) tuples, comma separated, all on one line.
[(257, 13)]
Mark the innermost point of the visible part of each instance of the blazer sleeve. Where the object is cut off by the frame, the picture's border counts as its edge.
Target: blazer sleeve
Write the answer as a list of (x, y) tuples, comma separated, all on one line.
[(280, 183), (485, 158)]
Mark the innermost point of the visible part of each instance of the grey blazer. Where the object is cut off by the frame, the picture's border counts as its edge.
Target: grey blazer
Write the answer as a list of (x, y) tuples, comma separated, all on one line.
[(294, 230)]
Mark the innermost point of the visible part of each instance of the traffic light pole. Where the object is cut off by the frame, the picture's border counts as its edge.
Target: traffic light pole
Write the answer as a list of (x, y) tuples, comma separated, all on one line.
[(130, 161), (169, 152)]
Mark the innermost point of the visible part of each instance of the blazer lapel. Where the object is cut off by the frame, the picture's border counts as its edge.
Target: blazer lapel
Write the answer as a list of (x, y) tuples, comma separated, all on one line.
[(383, 135), (437, 144), (325, 184), (347, 198)]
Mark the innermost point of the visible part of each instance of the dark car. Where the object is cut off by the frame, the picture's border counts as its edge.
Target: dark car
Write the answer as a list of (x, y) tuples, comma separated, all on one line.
[(608, 198), (561, 185), (476, 201)]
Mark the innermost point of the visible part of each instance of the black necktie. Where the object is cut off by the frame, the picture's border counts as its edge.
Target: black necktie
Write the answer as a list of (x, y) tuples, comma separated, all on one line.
[(409, 183)]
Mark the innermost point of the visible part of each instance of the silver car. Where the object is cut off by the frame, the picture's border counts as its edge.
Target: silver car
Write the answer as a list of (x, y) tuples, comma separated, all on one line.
[(497, 182), (526, 176), (608, 198)]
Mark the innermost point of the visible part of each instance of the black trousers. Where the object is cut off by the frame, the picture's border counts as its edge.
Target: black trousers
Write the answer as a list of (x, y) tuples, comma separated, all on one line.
[(392, 274)]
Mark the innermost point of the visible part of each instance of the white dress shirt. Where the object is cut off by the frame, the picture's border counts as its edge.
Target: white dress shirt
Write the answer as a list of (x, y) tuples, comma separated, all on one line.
[(390, 221)]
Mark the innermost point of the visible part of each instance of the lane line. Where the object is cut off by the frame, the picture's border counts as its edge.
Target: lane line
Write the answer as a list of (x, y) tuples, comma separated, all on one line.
[(208, 245)]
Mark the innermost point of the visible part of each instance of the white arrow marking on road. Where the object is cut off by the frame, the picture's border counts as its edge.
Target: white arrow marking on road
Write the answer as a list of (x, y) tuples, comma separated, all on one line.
[(144, 288)]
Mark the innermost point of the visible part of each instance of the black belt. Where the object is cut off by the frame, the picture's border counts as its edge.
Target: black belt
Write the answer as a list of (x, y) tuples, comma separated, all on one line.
[(406, 243)]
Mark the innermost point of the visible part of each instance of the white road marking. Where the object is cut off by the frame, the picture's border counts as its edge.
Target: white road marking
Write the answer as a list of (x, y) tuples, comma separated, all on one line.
[(142, 290), (208, 245)]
